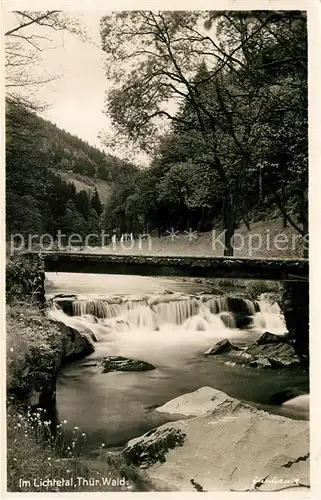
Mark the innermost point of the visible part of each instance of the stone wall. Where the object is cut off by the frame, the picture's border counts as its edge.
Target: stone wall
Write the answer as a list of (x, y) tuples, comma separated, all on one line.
[(296, 314)]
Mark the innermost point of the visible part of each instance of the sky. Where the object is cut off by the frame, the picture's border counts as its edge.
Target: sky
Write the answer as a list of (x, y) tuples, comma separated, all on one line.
[(76, 98)]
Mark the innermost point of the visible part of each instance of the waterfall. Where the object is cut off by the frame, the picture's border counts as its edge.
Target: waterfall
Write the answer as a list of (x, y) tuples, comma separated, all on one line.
[(176, 311), (97, 308), (270, 316), (199, 313), (142, 317), (217, 304), (165, 326), (206, 316), (159, 310)]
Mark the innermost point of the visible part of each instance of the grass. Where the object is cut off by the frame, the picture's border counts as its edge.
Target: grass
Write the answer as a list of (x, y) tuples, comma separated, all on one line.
[(253, 288), (86, 183), (33, 455)]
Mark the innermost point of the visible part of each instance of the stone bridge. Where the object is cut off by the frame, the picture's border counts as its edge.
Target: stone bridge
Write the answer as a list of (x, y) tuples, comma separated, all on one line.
[(203, 267)]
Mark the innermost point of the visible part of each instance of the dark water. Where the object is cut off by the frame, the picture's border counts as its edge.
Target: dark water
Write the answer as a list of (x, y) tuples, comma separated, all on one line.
[(111, 408)]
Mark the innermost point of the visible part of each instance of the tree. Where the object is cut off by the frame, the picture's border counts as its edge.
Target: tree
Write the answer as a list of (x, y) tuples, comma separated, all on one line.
[(96, 203), (27, 37), (278, 67), (82, 203), (153, 63), (72, 221)]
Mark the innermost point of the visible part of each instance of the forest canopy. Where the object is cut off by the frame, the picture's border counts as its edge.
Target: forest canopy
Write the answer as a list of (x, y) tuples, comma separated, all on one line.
[(219, 99)]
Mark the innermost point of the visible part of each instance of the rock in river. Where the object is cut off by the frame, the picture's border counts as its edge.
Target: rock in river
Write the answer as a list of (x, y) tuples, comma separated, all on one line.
[(270, 338), (268, 351), (224, 445), (77, 345), (221, 347), (121, 364)]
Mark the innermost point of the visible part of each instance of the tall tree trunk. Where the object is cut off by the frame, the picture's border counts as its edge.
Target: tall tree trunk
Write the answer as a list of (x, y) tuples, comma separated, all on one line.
[(285, 219), (285, 222), (304, 209), (306, 233), (228, 223)]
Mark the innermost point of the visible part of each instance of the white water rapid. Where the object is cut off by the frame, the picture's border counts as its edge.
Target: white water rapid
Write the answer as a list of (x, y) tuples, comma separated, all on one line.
[(162, 328)]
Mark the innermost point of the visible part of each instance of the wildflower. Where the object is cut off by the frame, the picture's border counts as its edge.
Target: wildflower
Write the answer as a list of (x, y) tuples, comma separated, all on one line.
[(64, 421), (76, 428), (18, 424), (49, 458), (103, 445), (84, 434)]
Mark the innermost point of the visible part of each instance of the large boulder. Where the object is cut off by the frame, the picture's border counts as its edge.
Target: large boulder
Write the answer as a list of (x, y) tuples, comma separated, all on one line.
[(121, 364), (224, 445), (153, 447), (269, 351), (242, 309), (240, 304), (280, 355), (270, 338), (200, 402), (223, 346), (65, 302), (76, 345)]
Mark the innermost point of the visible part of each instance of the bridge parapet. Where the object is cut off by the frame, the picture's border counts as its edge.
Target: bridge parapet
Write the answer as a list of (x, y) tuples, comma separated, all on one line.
[(147, 265)]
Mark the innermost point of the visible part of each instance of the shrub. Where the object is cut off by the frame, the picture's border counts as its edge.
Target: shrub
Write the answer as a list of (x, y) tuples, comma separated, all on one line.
[(256, 287), (25, 279), (34, 347)]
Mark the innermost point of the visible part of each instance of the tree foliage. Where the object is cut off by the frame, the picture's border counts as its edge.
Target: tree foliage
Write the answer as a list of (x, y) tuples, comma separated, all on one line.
[(230, 90), (37, 199), (28, 36)]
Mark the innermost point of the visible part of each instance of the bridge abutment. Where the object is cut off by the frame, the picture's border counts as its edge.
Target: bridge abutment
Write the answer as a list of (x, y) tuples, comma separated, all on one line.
[(296, 314)]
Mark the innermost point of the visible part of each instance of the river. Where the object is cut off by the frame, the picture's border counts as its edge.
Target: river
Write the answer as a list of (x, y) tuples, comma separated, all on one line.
[(111, 408)]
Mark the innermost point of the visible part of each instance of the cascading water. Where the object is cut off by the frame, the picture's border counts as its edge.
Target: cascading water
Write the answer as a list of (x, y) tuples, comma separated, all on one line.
[(175, 311), (169, 330), (270, 317), (156, 311), (174, 325)]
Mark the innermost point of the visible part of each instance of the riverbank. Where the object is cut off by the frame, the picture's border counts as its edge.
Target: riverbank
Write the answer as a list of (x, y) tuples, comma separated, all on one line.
[(36, 349)]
